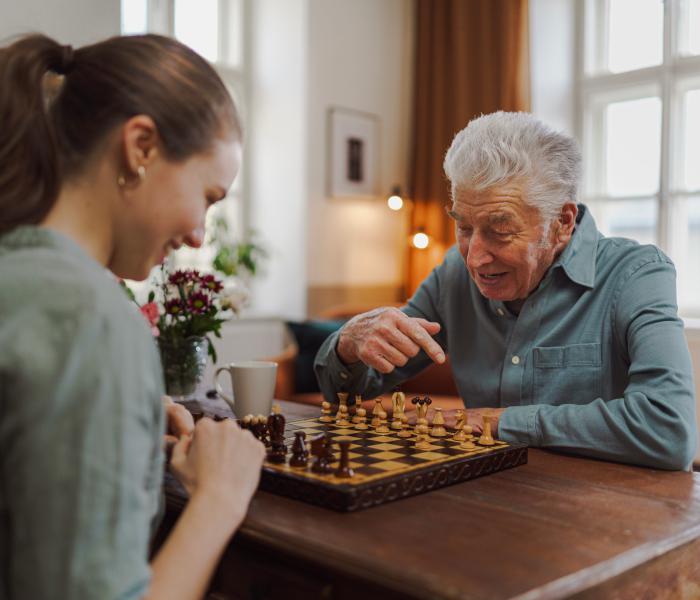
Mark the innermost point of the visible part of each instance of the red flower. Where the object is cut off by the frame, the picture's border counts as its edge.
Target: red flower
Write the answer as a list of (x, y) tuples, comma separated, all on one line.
[(180, 277), (199, 302), (173, 307), (150, 311), (211, 283)]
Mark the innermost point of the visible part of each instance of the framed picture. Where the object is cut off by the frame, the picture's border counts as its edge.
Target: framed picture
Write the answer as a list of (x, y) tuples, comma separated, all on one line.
[(354, 153)]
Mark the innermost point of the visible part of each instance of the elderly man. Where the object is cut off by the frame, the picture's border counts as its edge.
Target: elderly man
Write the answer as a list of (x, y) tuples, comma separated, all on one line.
[(571, 337)]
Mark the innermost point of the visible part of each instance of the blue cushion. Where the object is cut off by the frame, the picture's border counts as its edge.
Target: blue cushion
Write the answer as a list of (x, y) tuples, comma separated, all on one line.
[(309, 337)]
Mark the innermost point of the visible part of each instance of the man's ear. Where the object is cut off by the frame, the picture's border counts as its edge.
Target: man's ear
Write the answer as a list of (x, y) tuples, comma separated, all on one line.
[(139, 143), (566, 222)]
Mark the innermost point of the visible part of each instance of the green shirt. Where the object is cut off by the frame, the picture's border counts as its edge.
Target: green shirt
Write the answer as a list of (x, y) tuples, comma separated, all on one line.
[(595, 363), (81, 425)]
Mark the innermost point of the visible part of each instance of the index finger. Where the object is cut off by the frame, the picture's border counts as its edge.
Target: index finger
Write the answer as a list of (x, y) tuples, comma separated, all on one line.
[(413, 329)]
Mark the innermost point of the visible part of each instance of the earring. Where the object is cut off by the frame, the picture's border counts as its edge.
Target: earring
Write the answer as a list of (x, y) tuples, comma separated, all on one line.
[(141, 172), (121, 181)]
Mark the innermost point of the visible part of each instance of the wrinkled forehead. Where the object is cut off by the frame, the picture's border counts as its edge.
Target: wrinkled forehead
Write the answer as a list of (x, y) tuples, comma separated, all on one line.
[(495, 205)]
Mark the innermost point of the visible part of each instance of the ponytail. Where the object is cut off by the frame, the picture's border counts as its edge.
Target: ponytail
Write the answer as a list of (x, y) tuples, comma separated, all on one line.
[(57, 105), (29, 166)]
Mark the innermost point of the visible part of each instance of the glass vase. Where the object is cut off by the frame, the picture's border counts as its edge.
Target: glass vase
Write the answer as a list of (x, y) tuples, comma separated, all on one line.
[(184, 360)]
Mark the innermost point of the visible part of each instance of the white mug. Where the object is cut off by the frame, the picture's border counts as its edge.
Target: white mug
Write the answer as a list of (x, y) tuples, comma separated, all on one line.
[(253, 383)]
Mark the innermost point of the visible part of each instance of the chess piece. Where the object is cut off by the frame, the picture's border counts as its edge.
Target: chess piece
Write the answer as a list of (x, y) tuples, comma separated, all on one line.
[(438, 429), (405, 429), (382, 428), (325, 412), (460, 418), (361, 419), (341, 419), (376, 421), (398, 406), (467, 444), (278, 449), (352, 410), (300, 455), (422, 442), (344, 471), (318, 449), (398, 403), (342, 399), (330, 456), (246, 421), (358, 406), (486, 438)]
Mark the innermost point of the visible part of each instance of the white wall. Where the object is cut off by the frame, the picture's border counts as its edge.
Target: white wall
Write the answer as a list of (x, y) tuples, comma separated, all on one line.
[(360, 57), (75, 22)]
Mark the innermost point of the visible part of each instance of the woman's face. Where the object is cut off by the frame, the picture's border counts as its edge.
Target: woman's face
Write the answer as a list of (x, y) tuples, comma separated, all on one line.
[(506, 246), (168, 207)]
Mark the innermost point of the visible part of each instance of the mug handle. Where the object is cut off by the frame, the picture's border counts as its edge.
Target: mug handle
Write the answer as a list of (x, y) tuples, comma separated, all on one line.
[(218, 387)]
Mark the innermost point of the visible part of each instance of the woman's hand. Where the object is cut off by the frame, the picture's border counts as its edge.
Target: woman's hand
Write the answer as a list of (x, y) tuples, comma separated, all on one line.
[(386, 338), (179, 422), (219, 462)]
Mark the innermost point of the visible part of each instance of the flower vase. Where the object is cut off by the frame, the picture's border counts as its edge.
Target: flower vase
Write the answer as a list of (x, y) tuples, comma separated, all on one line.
[(184, 360)]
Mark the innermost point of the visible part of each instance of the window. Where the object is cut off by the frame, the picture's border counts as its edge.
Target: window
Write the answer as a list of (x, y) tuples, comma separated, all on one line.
[(639, 99), (216, 30)]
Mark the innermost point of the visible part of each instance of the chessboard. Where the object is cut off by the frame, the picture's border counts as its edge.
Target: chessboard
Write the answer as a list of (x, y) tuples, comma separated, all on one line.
[(385, 467)]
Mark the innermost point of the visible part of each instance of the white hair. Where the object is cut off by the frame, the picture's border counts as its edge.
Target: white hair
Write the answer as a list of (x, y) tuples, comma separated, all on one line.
[(504, 147)]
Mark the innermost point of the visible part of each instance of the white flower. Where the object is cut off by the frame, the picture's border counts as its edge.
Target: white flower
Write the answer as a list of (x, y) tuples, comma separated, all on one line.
[(235, 296)]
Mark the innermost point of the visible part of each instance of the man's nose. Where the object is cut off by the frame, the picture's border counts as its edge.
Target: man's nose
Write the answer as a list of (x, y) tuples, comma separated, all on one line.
[(195, 238), (478, 253)]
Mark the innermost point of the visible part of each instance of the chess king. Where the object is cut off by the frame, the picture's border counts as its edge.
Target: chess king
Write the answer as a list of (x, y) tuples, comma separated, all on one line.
[(571, 339)]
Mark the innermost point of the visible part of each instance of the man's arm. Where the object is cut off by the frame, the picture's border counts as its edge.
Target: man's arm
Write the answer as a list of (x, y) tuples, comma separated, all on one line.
[(375, 351), (653, 423)]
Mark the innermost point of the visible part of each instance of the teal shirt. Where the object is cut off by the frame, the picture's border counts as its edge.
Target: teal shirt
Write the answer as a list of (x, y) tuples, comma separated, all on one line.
[(596, 362), (81, 425)]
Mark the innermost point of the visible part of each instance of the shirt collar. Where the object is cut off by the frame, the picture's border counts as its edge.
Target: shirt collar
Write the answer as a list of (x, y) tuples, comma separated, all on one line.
[(32, 236), (578, 260)]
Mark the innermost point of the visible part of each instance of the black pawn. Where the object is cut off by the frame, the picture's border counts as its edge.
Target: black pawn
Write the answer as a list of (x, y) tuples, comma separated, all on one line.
[(300, 455), (344, 471)]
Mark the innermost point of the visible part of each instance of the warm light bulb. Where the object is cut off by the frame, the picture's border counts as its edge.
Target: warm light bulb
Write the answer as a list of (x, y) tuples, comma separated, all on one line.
[(395, 202), (420, 240)]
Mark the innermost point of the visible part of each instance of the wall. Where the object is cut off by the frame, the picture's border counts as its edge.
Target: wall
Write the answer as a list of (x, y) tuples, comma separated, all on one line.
[(66, 20), (360, 57)]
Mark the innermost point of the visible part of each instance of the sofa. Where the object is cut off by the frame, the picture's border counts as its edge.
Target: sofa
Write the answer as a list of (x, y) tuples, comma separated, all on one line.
[(296, 381)]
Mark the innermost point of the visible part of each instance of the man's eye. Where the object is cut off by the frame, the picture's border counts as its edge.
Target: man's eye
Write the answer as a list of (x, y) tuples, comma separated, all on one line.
[(465, 230)]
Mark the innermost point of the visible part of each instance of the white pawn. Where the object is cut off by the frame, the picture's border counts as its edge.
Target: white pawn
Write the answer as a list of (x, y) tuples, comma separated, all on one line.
[(405, 429), (325, 412), (342, 417), (361, 417)]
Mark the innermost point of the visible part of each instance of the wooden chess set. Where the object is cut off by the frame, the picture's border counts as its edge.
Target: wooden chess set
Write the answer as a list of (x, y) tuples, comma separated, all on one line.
[(344, 463)]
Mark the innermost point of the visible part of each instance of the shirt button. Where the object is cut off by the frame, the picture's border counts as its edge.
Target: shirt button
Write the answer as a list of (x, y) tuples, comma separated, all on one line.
[(500, 312), (343, 375), (515, 360)]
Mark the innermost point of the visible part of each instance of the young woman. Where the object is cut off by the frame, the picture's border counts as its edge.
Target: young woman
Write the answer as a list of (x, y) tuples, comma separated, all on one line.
[(110, 156)]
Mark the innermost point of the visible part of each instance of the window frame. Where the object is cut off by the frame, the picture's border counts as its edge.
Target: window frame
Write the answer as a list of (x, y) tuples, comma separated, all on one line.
[(161, 20), (597, 87)]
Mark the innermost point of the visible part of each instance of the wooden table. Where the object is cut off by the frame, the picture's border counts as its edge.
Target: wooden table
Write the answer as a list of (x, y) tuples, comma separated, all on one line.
[(557, 527)]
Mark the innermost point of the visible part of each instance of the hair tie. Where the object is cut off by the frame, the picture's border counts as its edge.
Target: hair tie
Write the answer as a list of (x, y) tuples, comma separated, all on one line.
[(67, 60)]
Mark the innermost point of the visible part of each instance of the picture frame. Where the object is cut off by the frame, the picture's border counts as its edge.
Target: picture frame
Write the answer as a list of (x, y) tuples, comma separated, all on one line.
[(353, 159)]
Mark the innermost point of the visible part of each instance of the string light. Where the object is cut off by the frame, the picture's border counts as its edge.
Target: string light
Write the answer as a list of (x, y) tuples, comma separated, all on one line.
[(395, 202), (421, 240)]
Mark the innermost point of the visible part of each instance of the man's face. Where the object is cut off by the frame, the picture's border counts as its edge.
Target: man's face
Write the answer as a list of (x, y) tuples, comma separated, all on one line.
[(505, 244)]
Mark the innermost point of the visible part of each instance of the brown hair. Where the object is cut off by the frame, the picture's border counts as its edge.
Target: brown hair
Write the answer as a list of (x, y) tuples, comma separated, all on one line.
[(50, 131)]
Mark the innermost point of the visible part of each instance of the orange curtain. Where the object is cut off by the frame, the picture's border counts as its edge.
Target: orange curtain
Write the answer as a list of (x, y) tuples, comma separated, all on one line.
[(472, 58)]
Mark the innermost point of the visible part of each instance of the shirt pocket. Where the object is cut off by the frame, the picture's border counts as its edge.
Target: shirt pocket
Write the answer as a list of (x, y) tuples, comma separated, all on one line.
[(567, 374)]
